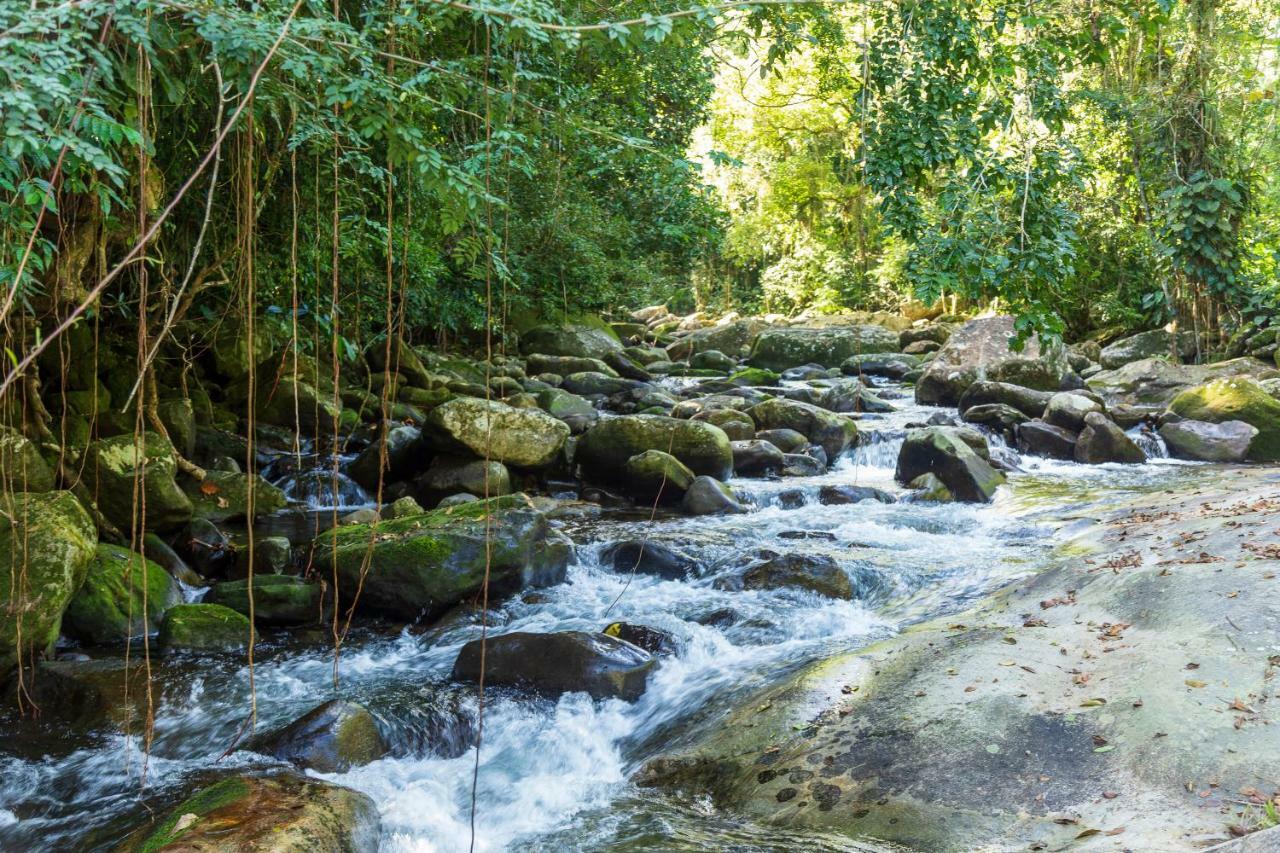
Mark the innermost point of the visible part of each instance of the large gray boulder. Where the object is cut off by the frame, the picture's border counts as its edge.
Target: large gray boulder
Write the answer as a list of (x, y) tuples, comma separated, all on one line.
[(945, 453), (330, 738), (980, 349), (834, 433), (1155, 343), (654, 474), (1209, 442), (1152, 383), (582, 340), (1236, 399), (984, 392), (603, 451), (111, 467), (779, 349), (1037, 438), (524, 438), (1068, 410), (1103, 441), (565, 662), (733, 339)]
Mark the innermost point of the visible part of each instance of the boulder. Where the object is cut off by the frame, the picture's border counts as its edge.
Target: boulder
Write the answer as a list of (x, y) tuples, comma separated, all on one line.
[(733, 339), (294, 403), (802, 465), (891, 365), (277, 599), (124, 595), (652, 640), (654, 474), (779, 349), (786, 440), (1155, 343), (997, 417), (224, 496), (203, 628), (833, 432), (1154, 382), (844, 493), (708, 496), (563, 365), (47, 542), (945, 453), (928, 487), (738, 426), (1038, 438), (753, 377), (597, 384), (565, 662), (852, 396), (330, 738), (1026, 400), (812, 572), (937, 333), (449, 475), (1237, 399), (270, 555), (524, 438), (648, 558), (22, 468), (1228, 441), (563, 405), (1068, 410), (1103, 441), (713, 359), (110, 468), (424, 564), (584, 340), (980, 350), (404, 458), (603, 451), (756, 458), (281, 813)]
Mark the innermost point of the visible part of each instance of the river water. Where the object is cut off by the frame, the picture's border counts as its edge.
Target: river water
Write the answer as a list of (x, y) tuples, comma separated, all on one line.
[(553, 775)]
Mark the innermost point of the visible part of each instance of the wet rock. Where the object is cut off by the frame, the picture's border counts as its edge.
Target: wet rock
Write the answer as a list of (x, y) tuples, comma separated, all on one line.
[(836, 495), (736, 425), (937, 333), (980, 349), (224, 496), (1068, 410), (525, 438), (331, 738), (652, 640), (424, 564), (920, 348), (754, 377), (270, 555), (1236, 399), (565, 662), (852, 396), (22, 468), (1154, 382), (297, 404), (782, 348), (575, 411), (786, 440), (756, 458), (1157, 343), (997, 417), (110, 467), (813, 572), (277, 599), (597, 384), (817, 535), (1038, 438), (892, 365), (928, 487), (124, 595), (708, 496), (587, 340), (801, 465), (449, 475), (648, 558), (1209, 442), (713, 360), (1103, 441), (944, 452), (563, 365), (271, 814), (808, 372), (604, 449), (657, 475), (833, 432), (404, 458), (1026, 400), (203, 628)]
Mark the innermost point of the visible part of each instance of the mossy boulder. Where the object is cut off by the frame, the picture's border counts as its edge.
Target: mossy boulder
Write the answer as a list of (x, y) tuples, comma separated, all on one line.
[(1157, 342), (603, 451), (732, 339), (1154, 382), (893, 365), (584, 340), (124, 595), (983, 350), (331, 738), (1102, 440), (22, 468), (203, 628), (224, 496), (1236, 399), (449, 475), (283, 813), (111, 466), (946, 453), (563, 365), (291, 402), (833, 432), (424, 564), (779, 349), (525, 438), (46, 543), (404, 454), (655, 474), (179, 418), (277, 599)]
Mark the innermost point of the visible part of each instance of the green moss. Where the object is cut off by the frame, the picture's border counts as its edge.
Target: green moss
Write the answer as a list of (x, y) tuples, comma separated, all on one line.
[(224, 495), (204, 628), (212, 798), (1236, 399), (109, 606), (111, 464), (22, 468)]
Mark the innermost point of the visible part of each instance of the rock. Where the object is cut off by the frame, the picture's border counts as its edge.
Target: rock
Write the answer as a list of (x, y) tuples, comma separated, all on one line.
[(752, 377), (563, 365), (224, 496), (1026, 400), (892, 365), (330, 738), (921, 348), (203, 628), (584, 340), (1103, 441), (786, 440), (1038, 438), (1068, 410), (929, 488), (997, 417), (733, 338), (46, 544), (833, 432), (1154, 382), (404, 458), (603, 451), (111, 605), (708, 496), (424, 564), (1237, 399), (1155, 343), (179, 419), (837, 495), (756, 458), (449, 475), (645, 355), (294, 403), (110, 467), (712, 359), (943, 451), (22, 468), (852, 396), (575, 411), (648, 558), (813, 572), (779, 349), (277, 599), (282, 813), (564, 662), (652, 640), (937, 333), (657, 475), (271, 555), (1209, 442), (524, 438), (979, 350), (801, 465), (599, 385), (738, 426)]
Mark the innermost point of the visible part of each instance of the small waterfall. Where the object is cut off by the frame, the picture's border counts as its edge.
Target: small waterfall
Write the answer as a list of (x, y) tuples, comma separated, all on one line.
[(1149, 441), (878, 448), (319, 487)]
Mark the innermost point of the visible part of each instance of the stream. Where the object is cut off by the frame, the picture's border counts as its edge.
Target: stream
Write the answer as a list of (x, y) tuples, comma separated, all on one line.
[(553, 775)]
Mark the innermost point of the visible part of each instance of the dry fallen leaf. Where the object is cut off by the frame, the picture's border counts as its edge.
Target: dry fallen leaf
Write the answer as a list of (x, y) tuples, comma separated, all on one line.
[(1192, 682)]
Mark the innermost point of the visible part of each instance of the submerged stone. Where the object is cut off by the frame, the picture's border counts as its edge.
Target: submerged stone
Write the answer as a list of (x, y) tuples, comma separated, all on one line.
[(331, 738), (564, 662)]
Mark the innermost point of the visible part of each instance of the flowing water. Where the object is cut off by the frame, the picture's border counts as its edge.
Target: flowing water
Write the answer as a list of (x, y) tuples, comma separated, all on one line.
[(553, 775)]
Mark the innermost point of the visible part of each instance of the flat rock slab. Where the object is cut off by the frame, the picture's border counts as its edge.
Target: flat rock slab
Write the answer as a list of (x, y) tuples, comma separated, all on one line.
[(1122, 698)]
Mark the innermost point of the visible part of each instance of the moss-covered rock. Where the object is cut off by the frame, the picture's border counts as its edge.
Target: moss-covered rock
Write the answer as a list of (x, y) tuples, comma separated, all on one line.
[(111, 466), (655, 474), (277, 599), (124, 595), (22, 468), (1157, 342), (834, 433), (291, 402), (203, 628), (563, 662), (46, 542), (732, 339), (224, 496), (779, 349), (604, 449), (283, 813), (525, 438), (1236, 399), (331, 738), (424, 564), (584, 340), (1154, 382), (945, 453), (179, 418), (449, 475)]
